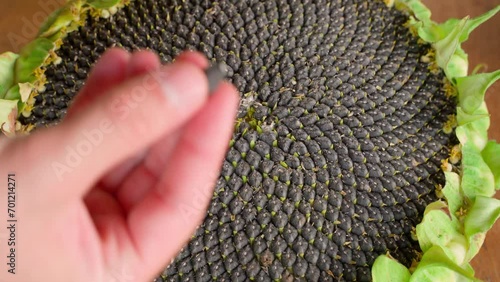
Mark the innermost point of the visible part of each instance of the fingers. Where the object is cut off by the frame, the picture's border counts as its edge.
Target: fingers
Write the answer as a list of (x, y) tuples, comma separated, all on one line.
[(116, 175), (194, 58), (100, 203), (145, 175), (177, 204), (115, 127), (140, 63), (107, 216), (109, 71), (114, 67)]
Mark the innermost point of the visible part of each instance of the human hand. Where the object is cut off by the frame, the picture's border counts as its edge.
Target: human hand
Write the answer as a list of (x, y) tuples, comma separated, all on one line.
[(114, 191)]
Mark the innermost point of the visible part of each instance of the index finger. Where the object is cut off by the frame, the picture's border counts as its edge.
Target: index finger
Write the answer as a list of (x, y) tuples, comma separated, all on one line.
[(162, 222), (116, 126)]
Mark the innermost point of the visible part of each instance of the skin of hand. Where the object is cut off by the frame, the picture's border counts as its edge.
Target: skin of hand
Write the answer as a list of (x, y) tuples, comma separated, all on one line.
[(114, 191)]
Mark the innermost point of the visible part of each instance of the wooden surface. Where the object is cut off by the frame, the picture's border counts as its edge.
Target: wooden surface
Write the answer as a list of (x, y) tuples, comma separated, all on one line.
[(21, 17)]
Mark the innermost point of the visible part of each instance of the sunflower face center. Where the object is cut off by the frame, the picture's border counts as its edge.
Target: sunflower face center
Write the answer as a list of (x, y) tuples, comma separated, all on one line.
[(338, 143)]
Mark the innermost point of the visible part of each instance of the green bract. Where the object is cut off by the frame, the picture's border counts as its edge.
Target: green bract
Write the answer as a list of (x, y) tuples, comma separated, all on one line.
[(27, 66), (7, 62), (477, 179), (103, 4), (472, 89), (452, 232), (387, 269), (439, 228), (452, 193), (60, 19), (480, 218), (436, 266), (31, 58), (491, 155)]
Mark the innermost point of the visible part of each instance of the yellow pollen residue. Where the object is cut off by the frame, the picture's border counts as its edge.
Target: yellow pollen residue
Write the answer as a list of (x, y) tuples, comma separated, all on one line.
[(95, 13), (446, 166), (58, 43), (430, 58), (27, 110), (455, 154), (39, 73), (52, 59), (448, 88), (450, 124), (434, 68), (439, 191), (410, 26), (389, 3), (41, 79), (461, 212)]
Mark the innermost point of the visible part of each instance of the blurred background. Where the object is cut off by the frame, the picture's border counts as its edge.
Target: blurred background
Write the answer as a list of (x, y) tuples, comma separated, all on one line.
[(21, 18)]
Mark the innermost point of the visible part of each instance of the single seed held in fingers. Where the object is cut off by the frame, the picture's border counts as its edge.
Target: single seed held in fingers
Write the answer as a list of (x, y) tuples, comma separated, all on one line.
[(215, 75)]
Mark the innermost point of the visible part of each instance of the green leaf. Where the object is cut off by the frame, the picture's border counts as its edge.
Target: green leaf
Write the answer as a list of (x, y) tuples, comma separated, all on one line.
[(436, 32), (452, 192), (441, 228), (491, 155), (432, 32), (464, 118), (477, 178), (447, 38), (14, 93), (32, 57), (60, 19), (103, 4), (475, 22), (447, 250), (459, 64), (436, 266), (479, 219), (386, 269), (473, 128), (21, 93), (446, 47), (7, 63), (471, 89), (419, 10)]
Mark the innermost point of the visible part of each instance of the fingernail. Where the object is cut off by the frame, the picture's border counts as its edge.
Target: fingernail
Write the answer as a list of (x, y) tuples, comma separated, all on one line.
[(182, 84), (215, 75)]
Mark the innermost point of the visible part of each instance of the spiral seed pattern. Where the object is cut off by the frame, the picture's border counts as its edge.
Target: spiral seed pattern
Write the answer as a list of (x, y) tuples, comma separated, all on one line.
[(338, 143)]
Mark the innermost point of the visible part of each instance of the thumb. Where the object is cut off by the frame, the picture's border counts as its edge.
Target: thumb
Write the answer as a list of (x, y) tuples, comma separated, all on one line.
[(129, 119)]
